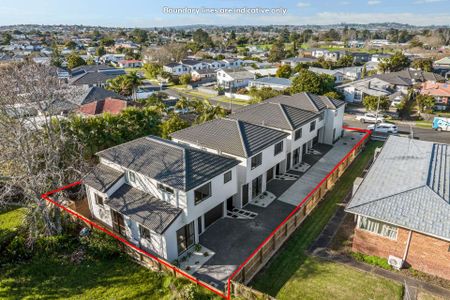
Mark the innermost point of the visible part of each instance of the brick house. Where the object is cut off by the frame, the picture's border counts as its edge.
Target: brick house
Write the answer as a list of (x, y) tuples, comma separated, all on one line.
[(402, 206)]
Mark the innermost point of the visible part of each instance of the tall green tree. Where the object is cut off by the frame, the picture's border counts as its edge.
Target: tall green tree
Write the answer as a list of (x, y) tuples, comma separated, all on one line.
[(74, 60), (424, 102), (172, 124), (277, 51), (152, 70), (308, 81), (284, 71), (371, 103)]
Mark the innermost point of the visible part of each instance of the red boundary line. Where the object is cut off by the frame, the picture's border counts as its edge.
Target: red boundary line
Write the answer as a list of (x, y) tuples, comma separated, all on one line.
[(177, 270), (170, 266), (297, 207)]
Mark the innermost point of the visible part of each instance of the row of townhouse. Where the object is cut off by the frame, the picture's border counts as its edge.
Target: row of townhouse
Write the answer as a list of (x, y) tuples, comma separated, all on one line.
[(188, 65), (162, 195)]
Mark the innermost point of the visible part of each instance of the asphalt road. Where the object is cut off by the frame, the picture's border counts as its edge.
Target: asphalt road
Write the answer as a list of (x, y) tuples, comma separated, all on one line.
[(418, 133), (227, 105)]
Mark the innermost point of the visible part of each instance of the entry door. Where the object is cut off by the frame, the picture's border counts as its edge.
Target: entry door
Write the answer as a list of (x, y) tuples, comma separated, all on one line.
[(277, 169), (296, 156), (118, 222), (213, 215), (304, 150), (244, 194), (269, 175), (288, 161), (230, 204), (256, 186)]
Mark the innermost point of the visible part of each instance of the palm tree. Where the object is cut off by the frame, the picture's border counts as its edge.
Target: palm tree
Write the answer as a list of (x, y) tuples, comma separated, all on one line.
[(207, 112), (134, 81), (120, 85)]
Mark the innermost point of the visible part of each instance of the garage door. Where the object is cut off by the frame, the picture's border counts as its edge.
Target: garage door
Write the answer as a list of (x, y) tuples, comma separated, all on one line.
[(213, 215)]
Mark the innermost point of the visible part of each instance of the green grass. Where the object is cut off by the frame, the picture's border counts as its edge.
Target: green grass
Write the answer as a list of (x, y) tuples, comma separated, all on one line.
[(11, 218), (424, 124), (55, 276), (285, 266), (119, 278), (318, 279)]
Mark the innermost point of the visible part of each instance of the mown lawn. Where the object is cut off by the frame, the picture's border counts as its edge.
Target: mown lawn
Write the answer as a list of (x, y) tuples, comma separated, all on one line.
[(318, 279), (57, 276), (287, 266)]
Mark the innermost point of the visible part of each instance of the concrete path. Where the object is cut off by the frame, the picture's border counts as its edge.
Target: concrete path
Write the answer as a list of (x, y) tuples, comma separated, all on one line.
[(301, 188)]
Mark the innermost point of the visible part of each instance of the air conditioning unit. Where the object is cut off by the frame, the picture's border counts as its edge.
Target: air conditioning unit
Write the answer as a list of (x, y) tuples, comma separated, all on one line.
[(395, 262)]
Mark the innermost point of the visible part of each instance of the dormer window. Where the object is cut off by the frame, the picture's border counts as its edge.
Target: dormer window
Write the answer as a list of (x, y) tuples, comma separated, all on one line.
[(131, 177), (165, 189)]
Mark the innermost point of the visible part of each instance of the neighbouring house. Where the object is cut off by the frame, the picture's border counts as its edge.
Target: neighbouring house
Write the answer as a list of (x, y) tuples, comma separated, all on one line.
[(402, 206), (442, 63), (263, 72), (307, 118), (294, 61), (337, 74), (97, 100), (440, 93), (176, 68), (233, 78), (361, 57), (129, 63), (203, 75), (356, 90), (272, 82), (93, 75), (259, 150), (160, 195), (193, 64), (351, 73)]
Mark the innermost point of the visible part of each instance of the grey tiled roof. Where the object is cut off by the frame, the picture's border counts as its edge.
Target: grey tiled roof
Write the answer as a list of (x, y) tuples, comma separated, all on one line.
[(102, 177), (93, 94), (143, 208), (176, 165), (231, 136), (275, 115), (408, 185), (92, 78), (307, 101)]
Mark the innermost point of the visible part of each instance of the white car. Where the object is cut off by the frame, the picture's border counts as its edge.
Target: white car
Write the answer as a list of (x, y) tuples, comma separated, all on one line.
[(383, 127), (370, 118)]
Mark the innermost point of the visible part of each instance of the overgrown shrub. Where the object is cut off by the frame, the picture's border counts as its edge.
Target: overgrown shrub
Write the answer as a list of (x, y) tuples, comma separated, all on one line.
[(101, 245), (372, 260)]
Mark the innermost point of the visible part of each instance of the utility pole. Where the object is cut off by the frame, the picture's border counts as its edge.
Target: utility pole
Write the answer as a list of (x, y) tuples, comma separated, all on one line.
[(376, 113)]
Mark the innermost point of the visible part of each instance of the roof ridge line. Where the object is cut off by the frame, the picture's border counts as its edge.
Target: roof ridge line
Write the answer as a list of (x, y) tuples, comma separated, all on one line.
[(239, 124), (283, 109), (383, 198)]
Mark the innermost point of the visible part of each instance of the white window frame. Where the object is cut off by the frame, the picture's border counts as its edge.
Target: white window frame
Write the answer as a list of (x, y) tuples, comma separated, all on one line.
[(377, 227)]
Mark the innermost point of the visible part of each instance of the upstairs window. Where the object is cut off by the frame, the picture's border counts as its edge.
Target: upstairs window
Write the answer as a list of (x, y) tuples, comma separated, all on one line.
[(321, 116), (298, 134), (278, 148), (312, 126), (98, 199), (202, 193), (144, 232), (256, 160), (131, 177), (165, 189), (227, 177)]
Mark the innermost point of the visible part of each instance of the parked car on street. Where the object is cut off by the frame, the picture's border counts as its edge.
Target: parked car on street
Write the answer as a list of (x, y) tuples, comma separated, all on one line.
[(383, 128), (370, 118)]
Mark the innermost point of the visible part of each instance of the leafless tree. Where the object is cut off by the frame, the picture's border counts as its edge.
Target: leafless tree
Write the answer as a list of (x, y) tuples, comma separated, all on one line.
[(168, 53), (36, 155)]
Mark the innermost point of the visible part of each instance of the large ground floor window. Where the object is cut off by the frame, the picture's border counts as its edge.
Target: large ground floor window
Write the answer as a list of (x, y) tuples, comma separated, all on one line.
[(377, 227), (185, 237)]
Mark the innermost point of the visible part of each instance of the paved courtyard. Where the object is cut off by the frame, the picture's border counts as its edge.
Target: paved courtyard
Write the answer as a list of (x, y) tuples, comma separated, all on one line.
[(233, 240)]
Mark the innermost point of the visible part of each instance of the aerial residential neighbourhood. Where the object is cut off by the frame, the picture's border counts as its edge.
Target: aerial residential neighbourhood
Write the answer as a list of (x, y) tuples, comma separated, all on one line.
[(257, 150)]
